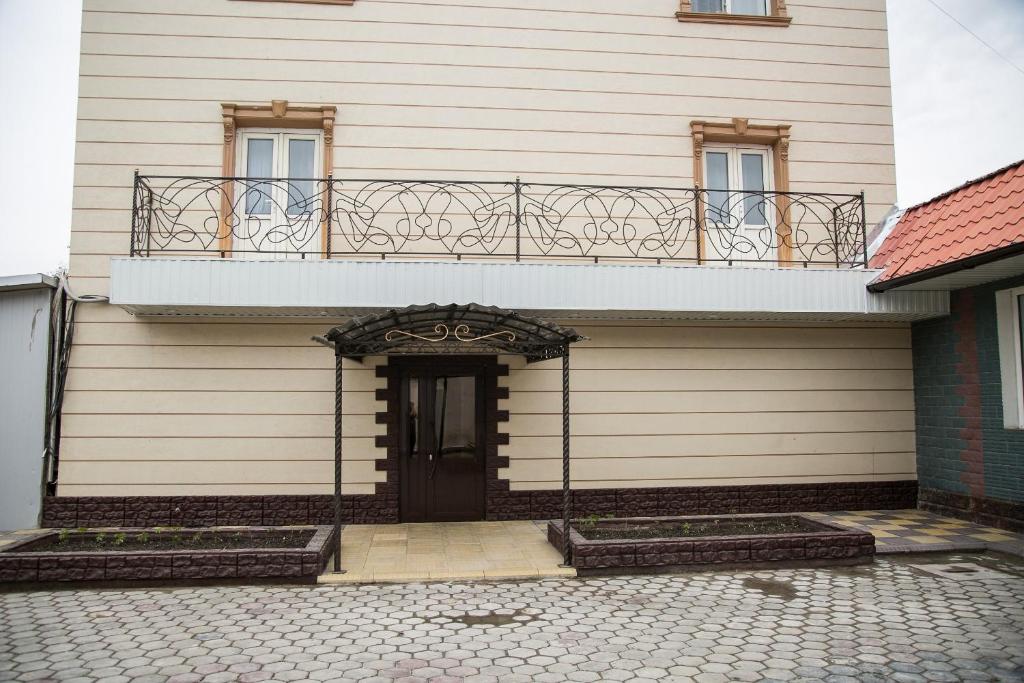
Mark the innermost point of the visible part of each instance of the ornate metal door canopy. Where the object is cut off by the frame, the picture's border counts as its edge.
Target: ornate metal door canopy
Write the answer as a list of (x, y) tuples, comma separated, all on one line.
[(451, 329)]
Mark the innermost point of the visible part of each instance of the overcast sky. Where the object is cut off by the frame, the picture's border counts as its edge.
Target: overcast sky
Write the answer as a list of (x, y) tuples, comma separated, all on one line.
[(958, 109)]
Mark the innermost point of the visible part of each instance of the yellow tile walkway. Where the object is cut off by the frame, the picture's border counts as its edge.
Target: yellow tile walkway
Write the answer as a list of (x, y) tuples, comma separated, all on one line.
[(917, 530), (446, 551)]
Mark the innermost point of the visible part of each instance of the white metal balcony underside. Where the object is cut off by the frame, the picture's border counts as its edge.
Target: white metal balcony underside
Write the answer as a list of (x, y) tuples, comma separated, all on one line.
[(341, 287)]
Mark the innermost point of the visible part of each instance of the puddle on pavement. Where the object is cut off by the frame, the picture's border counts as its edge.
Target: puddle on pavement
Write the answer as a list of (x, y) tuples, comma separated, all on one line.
[(857, 570), (992, 561), (777, 589), (494, 618)]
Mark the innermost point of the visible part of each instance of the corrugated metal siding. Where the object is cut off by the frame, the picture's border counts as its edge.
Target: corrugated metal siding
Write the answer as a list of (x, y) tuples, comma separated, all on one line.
[(207, 286), (24, 340)]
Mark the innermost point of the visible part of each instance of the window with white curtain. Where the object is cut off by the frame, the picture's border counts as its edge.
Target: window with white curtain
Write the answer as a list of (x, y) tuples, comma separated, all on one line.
[(275, 154), (1010, 329), (730, 173), (751, 7), (281, 216)]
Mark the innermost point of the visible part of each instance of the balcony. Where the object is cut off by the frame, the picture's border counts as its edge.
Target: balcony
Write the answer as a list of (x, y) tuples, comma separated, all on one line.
[(336, 247), (508, 221)]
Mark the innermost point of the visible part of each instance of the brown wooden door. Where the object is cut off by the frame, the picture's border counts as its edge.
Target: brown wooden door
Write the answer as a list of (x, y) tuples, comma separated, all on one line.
[(442, 453)]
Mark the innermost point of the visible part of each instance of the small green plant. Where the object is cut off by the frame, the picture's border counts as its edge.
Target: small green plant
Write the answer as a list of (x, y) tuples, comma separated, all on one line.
[(101, 538), (197, 538), (142, 537), (82, 529), (589, 522), (63, 535), (120, 538), (684, 528)]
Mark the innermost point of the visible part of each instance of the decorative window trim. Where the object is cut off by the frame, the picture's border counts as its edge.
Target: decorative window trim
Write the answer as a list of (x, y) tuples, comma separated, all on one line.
[(742, 132), (309, 2), (779, 16), (278, 114), (1011, 366)]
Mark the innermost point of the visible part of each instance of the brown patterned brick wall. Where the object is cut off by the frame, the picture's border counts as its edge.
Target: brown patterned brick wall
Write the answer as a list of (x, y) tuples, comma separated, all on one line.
[(502, 504)]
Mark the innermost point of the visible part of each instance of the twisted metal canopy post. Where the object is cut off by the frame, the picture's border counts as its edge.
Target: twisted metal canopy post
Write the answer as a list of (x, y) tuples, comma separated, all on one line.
[(453, 329)]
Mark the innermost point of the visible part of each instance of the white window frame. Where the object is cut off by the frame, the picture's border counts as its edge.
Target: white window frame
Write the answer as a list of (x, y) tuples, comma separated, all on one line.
[(281, 137), (1011, 363), (728, 9), (735, 164)]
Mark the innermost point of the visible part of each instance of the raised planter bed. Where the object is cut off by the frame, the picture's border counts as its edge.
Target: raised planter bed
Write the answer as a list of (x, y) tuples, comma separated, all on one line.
[(289, 554), (687, 543)]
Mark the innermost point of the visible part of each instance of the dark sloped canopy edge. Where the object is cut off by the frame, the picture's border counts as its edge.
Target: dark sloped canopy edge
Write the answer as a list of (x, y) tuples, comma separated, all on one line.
[(451, 329)]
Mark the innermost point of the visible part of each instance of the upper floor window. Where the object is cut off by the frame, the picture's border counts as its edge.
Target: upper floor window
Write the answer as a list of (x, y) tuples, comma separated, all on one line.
[(737, 177), (754, 7), (280, 198), (755, 12), (275, 154)]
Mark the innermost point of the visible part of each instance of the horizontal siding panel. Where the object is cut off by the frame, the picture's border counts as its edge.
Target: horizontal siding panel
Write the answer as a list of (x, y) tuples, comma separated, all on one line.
[(214, 472), (436, 21), (686, 61), (772, 106), (215, 379), (597, 360), (603, 339), (668, 163), (95, 137), (357, 404), (716, 380), (737, 400), (533, 425), (642, 449), (634, 482), (670, 124), (216, 425), (861, 9), (242, 449), (156, 69), (105, 489), (584, 470)]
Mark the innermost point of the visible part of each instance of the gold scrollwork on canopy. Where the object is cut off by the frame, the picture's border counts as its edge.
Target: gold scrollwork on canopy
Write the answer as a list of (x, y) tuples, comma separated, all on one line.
[(462, 333)]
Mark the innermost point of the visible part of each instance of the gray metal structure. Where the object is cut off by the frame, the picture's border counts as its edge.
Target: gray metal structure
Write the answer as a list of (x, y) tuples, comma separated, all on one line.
[(25, 304)]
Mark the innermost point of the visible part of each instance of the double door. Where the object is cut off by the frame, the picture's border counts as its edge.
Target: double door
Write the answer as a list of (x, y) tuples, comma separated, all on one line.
[(442, 442)]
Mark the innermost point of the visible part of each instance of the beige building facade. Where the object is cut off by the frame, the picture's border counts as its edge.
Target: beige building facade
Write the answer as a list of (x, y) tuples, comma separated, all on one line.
[(718, 171)]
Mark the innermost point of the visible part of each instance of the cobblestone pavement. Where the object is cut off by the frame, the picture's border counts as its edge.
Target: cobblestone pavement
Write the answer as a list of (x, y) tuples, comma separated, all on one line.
[(887, 622)]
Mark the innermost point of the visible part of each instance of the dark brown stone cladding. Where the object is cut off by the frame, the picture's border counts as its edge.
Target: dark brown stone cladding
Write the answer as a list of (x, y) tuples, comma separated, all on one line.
[(708, 500), (998, 513), (829, 544), (297, 564), (502, 504), (497, 488)]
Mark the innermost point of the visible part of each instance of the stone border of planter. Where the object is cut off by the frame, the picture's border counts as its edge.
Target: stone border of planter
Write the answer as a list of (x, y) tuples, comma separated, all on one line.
[(293, 565), (833, 545)]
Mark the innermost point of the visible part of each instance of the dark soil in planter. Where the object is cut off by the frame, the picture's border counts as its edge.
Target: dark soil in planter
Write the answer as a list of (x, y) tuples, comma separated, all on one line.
[(606, 531), (133, 541)]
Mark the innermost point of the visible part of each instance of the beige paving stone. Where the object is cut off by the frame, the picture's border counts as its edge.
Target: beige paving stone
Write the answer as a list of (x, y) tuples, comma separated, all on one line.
[(446, 551)]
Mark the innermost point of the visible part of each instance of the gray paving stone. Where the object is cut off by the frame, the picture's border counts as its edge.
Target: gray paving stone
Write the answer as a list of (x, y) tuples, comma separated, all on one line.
[(888, 622)]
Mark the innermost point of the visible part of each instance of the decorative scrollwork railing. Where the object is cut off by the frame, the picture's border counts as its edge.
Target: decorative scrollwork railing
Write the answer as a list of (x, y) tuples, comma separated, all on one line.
[(328, 217)]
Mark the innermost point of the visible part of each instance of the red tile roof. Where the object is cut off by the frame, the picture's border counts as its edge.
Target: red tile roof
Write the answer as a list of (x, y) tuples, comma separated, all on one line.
[(978, 217)]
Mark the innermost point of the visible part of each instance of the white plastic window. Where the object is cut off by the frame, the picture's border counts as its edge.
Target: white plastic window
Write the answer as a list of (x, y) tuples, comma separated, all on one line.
[(730, 173), (1010, 328), (755, 7)]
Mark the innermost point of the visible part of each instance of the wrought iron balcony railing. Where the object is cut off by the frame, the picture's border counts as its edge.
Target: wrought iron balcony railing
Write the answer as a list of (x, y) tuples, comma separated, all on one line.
[(333, 217)]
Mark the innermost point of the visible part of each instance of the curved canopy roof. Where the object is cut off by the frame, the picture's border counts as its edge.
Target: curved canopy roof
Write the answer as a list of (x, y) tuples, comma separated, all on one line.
[(451, 329)]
